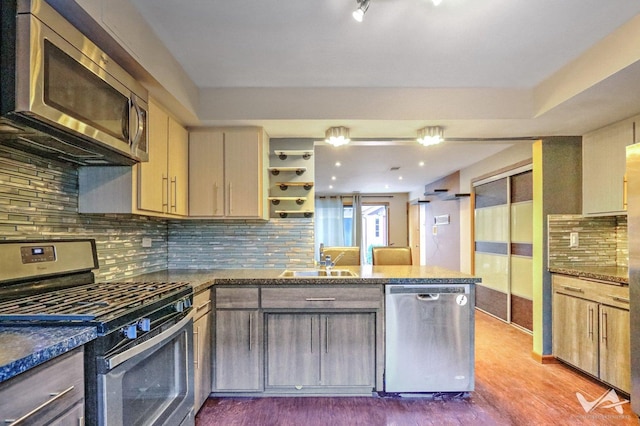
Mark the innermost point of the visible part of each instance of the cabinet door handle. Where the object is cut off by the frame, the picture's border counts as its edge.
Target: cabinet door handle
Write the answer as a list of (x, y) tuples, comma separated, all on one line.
[(174, 193), (619, 299), (230, 199), (326, 334), (604, 328), (250, 331), (590, 323), (204, 305), (320, 299), (55, 396), (165, 193), (570, 288), (311, 333), (196, 346)]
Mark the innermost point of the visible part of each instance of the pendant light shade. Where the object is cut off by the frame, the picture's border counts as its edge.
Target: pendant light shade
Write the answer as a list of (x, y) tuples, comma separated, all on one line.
[(432, 135), (337, 136)]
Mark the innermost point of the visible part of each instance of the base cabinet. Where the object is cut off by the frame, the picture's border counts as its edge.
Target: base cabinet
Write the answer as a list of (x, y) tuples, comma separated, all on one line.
[(615, 347), (591, 329), (298, 340), (238, 347), (202, 348), (306, 350), (50, 394)]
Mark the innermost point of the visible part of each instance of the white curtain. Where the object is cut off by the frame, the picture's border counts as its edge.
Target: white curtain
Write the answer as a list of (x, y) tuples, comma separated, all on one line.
[(329, 222)]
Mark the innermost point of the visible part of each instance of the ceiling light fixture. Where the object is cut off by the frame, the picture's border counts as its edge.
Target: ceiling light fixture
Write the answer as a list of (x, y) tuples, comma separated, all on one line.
[(337, 136), (436, 2), (432, 135), (358, 14)]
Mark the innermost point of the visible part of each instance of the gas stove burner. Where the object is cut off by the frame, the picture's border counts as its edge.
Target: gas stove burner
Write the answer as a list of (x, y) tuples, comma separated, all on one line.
[(100, 303)]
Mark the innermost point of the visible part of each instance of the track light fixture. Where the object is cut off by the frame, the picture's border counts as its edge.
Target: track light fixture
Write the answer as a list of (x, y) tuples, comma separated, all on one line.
[(337, 136), (431, 135), (358, 14)]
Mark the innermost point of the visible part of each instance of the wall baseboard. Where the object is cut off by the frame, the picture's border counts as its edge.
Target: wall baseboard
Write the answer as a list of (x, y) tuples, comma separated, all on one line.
[(544, 359)]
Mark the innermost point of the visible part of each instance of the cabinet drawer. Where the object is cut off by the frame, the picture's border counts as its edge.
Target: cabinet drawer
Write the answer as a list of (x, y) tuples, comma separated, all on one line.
[(202, 303), (45, 392), (322, 297), (597, 291), (237, 298)]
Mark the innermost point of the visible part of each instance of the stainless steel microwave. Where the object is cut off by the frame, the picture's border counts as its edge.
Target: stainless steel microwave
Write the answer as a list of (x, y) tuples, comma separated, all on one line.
[(63, 97)]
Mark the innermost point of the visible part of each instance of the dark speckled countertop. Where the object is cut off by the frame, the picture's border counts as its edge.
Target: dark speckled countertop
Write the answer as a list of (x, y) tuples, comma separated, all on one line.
[(22, 348), (616, 274), (366, 274)]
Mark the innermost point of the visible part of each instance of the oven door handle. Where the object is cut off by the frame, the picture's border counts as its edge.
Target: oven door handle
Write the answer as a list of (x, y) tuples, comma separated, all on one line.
[(160, 339)]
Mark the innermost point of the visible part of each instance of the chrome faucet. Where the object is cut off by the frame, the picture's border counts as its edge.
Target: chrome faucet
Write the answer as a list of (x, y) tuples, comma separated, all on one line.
[(330, 264)]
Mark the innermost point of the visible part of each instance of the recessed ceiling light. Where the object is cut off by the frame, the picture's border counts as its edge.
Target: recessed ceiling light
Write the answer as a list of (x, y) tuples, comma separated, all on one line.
[(399, 177), (421, 163), (330, 186), (386, 187), (333, 178), (338, 164)]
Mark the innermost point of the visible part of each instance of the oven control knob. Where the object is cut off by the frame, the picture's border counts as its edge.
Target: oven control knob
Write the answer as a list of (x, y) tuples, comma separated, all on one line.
[(144, 324), (179, 306), (187, 303), (130, 331)]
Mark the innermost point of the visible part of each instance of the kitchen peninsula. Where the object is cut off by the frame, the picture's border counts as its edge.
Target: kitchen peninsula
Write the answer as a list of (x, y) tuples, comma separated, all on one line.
[(292, 332), (251, 339)]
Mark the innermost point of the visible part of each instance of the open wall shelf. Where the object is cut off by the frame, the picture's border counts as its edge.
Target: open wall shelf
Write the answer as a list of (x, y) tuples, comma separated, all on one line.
[(284, 153)]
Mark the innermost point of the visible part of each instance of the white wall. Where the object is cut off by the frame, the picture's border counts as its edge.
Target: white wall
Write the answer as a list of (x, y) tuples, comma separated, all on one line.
[(517, 153)]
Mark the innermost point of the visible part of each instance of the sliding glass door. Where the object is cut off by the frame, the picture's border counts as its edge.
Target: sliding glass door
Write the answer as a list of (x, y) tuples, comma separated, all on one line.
[(503, 234)]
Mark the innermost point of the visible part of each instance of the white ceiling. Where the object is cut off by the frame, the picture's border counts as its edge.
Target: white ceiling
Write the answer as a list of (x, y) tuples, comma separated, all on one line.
[(480, 68)]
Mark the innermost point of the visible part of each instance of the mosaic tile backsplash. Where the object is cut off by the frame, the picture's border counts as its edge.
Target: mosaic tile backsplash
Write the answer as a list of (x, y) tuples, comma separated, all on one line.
[(39, 200), (602, 241), (278, 243)]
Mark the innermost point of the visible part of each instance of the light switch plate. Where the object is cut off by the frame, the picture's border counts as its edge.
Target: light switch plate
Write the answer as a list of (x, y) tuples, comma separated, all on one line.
[(146, 242), (573, 239)]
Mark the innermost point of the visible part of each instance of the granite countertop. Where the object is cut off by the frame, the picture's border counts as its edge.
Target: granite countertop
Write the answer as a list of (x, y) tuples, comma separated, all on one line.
[(616, 274), (366, 275), (26, 347)]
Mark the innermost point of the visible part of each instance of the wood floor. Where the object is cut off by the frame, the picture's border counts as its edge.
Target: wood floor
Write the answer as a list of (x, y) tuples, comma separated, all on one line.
[(511, 389)]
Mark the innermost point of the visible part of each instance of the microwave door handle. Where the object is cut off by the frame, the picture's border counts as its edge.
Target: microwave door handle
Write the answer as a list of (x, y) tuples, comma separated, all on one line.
[(125, 121), (140, 128)]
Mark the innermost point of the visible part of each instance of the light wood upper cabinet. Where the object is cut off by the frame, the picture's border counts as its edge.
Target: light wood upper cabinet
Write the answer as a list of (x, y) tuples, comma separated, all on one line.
[(603, 168), (228, 173), (163, 180), (158, 187), (178, 168), (152, 175)]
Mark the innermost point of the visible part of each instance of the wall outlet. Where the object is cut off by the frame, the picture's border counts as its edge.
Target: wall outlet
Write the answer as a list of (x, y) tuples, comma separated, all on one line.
[(434, 230), (573, 239), (146, 242)]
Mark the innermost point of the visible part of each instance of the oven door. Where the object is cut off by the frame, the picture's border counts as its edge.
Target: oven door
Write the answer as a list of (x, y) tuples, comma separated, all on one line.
[(151, 383)]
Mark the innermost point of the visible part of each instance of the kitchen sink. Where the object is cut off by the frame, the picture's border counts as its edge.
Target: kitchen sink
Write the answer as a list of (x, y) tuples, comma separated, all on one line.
[(318, 273)]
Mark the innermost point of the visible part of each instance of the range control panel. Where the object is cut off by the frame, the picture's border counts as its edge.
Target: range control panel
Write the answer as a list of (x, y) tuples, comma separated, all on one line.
[(38, 254)]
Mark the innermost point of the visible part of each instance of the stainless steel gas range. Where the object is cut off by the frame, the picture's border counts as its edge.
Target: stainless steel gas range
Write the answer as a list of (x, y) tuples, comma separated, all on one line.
[(139, 371)]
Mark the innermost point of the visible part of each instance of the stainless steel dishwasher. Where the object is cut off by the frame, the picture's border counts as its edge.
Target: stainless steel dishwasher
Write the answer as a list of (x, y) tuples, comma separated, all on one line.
[(429, 339)]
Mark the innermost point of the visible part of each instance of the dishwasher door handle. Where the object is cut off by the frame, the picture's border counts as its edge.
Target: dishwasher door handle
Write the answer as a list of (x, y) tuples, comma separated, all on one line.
[(428, 297)]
